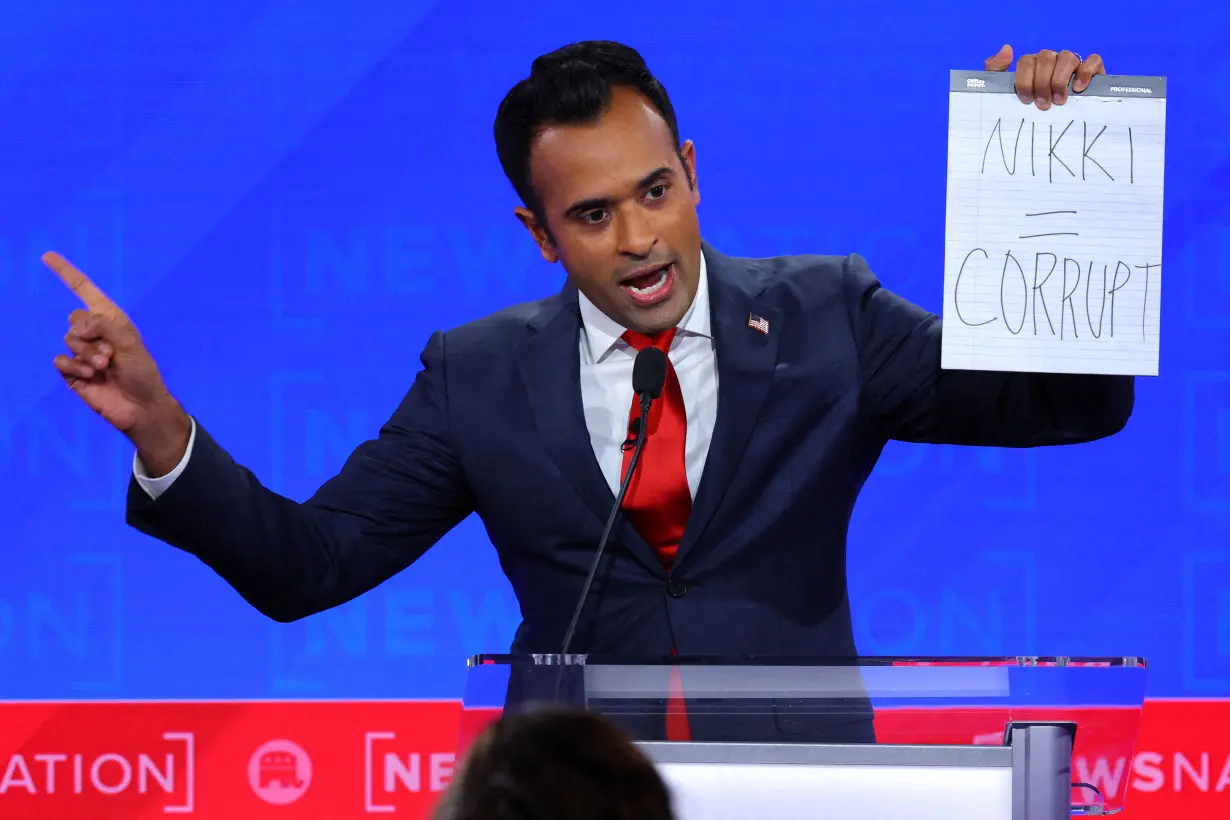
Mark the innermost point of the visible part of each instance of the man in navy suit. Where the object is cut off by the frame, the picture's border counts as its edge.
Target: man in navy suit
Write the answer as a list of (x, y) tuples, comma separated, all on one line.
[(786, 378)]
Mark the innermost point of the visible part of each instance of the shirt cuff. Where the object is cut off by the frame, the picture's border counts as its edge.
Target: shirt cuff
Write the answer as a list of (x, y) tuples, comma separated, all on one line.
[(155, 487)]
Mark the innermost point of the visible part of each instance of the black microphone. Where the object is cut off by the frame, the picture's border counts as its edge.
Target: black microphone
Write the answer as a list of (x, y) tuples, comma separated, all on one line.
[(648, 377)]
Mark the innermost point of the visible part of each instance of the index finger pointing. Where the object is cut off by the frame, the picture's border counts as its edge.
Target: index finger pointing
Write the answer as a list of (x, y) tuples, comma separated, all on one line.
[(88, 292)]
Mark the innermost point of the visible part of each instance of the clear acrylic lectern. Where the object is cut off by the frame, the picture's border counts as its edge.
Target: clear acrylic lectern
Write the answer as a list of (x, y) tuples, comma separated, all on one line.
[(1023, 738)]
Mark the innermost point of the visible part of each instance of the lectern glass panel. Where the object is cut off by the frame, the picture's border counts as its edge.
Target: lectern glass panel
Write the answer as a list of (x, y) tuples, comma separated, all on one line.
[(908, 702)]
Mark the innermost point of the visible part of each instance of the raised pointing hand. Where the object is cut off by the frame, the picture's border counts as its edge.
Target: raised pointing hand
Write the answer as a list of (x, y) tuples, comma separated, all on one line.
[(114, 374)]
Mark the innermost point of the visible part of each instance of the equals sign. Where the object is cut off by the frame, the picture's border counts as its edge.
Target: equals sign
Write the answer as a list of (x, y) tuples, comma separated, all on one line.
[(1052, 233)]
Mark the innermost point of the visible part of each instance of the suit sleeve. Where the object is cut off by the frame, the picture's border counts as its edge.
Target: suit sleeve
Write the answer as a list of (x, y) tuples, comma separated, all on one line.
[(910, 398), (394, 498)]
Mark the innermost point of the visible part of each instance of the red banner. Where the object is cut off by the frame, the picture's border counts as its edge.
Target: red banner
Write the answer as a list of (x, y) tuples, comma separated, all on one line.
[(301, 760), (1179, 765), (225, 760)]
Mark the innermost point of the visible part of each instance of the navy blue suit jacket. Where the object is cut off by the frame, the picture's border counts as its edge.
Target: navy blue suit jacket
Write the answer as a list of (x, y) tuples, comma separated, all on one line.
[(493, 425)]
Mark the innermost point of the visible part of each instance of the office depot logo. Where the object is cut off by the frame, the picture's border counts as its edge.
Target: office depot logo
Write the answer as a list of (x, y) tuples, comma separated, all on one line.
[(280, 772), (162, 770)]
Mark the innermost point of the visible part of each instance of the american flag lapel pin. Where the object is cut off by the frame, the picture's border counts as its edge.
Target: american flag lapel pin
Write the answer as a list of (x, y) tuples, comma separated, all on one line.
[(758, 323)]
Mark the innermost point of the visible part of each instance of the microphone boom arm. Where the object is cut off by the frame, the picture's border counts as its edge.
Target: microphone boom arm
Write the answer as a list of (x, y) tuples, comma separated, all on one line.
[(646, 400)]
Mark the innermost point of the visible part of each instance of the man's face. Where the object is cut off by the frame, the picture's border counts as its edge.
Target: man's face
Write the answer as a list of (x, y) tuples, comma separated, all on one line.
[(620, 213)]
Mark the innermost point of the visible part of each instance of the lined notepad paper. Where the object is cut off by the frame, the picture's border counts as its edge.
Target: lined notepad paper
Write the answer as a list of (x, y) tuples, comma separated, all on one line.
[(1053, 238)]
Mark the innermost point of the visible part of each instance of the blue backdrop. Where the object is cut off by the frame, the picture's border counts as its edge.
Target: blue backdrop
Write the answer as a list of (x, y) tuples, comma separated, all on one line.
[(288, 197)]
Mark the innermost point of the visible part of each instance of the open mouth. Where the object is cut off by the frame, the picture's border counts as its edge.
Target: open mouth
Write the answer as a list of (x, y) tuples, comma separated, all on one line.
[(652, 286)]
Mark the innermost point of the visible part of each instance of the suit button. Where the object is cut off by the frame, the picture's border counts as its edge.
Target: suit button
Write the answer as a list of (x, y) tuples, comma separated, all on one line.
[(676, 588)]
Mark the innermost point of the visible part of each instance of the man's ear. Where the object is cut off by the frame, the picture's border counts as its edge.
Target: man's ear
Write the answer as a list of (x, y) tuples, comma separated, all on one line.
[(687, 152), (541, 238)]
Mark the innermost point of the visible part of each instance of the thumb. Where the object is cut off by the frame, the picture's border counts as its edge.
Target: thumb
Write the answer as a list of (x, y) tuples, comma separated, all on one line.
[(1001, 59)]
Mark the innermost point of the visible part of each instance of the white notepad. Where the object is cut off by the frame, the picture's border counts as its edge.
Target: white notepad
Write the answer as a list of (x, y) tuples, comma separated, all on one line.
[(1053, 234)]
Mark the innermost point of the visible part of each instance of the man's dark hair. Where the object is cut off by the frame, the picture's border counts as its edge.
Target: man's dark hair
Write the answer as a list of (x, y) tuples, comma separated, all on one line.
[(569, 86), (555, 764)]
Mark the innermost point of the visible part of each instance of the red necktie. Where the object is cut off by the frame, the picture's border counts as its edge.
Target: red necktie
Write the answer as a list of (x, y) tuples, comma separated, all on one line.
[(658, 501)]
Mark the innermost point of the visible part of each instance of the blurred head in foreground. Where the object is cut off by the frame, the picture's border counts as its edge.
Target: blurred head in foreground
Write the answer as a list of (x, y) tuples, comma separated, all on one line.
[(555, 765)]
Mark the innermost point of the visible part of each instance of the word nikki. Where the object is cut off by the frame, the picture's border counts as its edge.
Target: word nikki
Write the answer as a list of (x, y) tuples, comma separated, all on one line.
[(1050, 156)]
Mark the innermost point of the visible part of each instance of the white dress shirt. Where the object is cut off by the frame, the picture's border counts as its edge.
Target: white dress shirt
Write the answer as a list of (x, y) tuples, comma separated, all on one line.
[(606, 383), (606, 390)]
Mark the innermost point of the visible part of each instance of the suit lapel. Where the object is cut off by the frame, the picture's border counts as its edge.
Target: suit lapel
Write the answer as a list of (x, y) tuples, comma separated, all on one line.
[(550, 366), (745, 358)]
